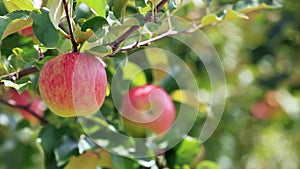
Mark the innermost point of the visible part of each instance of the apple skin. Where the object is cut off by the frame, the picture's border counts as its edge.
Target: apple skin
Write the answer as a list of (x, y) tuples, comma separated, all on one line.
[(27, 99), (261, 110), (73, 84), (147, 107), (28, 32)]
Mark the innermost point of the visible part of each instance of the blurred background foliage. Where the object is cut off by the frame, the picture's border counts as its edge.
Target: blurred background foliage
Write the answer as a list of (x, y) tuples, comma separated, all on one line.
[(260, 125)]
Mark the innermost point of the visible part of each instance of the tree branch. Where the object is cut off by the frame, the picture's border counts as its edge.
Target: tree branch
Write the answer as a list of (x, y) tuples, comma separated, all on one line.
[(26, 108), (148, 42), (158, 7), (72, 38), (20, 74), (115, 44)]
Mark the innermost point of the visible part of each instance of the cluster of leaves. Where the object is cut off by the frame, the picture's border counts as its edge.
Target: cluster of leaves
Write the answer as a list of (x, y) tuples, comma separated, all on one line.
[(115, 26)]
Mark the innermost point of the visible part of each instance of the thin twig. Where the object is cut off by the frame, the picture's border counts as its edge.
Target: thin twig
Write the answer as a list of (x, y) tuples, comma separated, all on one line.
[(115, 44), (148, 42), (26, 108), (20, 74), (72, 38)]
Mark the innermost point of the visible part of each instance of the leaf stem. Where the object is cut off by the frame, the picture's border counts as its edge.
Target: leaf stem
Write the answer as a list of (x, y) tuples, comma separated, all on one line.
[(72, 38)]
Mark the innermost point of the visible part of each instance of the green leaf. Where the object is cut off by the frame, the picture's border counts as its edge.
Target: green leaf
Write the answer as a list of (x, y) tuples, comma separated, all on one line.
[(135, 74), (44, 29), (95, 23), (140, 3), (67, 149), (56, 10), (27, 54), (13, 5), (3, 10), (120, 8), (100, 51), (187, 151), (13, 22), (99, 7), (121, 162), (48, 136), (41, 63), (246, 6), (207, 165), (221, 17), (20, 85)]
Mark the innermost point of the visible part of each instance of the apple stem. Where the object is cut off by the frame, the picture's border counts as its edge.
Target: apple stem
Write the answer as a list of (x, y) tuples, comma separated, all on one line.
[(26, 108), (72, 38)]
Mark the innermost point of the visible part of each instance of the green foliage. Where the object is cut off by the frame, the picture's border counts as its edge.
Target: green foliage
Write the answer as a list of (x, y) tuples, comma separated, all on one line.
[(42, 24), (13, 18)]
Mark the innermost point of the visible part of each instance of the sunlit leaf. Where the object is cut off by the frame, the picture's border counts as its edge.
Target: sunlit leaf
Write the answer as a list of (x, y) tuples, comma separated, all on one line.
[(249, 6), (20, 86), (186, 97), (91, 160), (13, 5), (208, 165), (135, 74), (159, 63), (98, 6), (187, 151), (224, 16), (231, 14), (56, 10), (13, 22)]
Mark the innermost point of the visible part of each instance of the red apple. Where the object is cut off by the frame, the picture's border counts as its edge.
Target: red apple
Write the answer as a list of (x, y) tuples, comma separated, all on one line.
[(32, 100), (73, 84), (261, 110), (147, 107), (28, 32)]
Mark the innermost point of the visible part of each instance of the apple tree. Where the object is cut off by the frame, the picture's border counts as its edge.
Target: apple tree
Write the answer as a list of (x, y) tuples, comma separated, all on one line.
[(111, 83)]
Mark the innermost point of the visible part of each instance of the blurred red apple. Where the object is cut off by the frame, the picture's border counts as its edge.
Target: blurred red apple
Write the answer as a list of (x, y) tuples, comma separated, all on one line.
[(32, 100), (261, 110), (73, 84), (28, 32), (147, 107)]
